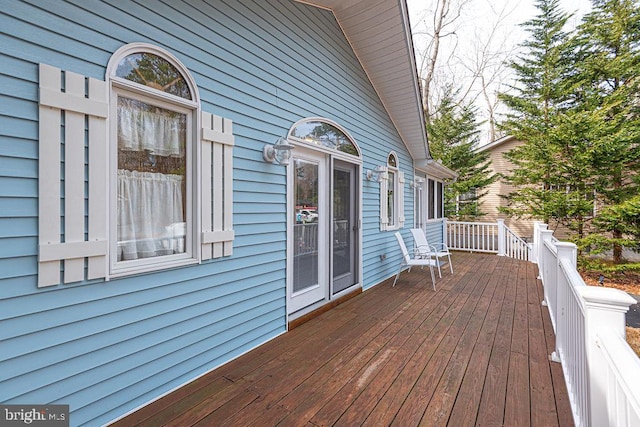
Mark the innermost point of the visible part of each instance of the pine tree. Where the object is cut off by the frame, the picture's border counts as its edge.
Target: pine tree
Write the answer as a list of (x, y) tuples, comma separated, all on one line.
[(552, 176), (607, 82), (453, 135)]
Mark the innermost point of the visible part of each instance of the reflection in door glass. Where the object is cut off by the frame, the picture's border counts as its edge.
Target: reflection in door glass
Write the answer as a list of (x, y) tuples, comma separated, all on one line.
[(345, 230), (341, 223), (305, 261)]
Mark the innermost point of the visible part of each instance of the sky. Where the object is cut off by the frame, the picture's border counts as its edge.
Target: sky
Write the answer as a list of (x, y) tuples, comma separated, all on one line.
[(469, 35)]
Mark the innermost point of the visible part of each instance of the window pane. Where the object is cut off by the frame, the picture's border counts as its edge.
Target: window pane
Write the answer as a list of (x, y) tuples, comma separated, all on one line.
[(151, 70), (391, 198), (151, 180), (439, 200), (391, 161), (342, 212), (325, 135), (305, 252), (431, 209), (419, 205)]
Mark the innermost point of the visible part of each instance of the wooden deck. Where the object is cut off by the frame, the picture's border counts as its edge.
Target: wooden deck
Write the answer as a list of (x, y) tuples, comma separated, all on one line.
[(475, 352)]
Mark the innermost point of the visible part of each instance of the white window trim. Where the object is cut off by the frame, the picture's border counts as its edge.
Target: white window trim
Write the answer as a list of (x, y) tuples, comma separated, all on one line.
[(398, 196), (433, 198), (419, 201), (190, 256)]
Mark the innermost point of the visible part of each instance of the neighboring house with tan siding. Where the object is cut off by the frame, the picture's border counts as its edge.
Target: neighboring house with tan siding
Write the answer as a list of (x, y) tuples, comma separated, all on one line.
[(492, 200)]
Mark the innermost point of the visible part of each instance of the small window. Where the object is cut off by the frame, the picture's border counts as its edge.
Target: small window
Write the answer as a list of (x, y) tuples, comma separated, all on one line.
[(419, 203), (440, 199), (391, 161), (392, 195), (431, 197), (153, 166), (435, 200), (392, 189)]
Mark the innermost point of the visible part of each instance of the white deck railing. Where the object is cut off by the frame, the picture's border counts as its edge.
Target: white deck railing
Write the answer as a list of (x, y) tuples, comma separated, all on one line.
[(601, 371), (472, 236), (492, 237)]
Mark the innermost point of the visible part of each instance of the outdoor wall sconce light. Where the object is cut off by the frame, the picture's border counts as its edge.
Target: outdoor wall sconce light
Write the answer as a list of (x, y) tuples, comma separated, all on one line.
[(278, 153), (374, 175), (417, 184)]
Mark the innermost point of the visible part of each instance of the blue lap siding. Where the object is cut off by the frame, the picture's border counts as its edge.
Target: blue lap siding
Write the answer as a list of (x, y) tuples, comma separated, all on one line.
[(105, 348)]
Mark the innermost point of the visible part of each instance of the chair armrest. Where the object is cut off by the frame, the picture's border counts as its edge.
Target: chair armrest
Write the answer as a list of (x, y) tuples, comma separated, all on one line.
[(444, 247), (424, 250)]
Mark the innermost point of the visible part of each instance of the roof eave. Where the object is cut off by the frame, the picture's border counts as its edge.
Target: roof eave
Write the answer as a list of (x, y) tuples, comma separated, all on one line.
[(377, 54), (436, 169)]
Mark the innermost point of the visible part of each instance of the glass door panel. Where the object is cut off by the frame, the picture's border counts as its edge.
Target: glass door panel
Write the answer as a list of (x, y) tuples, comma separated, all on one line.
[(308, 255), (344, 227)]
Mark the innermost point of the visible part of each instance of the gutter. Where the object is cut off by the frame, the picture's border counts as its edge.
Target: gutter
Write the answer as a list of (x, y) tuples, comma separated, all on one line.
[(436, 169)]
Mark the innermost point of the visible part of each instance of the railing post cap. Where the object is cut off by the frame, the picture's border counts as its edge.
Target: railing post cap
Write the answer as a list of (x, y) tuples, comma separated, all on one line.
[(567, 245), (609, 298)]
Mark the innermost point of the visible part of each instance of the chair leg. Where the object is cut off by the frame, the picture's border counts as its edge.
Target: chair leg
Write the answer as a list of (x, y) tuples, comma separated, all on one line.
[(397, 275), (433, 277), (439, 271), (450, 265)]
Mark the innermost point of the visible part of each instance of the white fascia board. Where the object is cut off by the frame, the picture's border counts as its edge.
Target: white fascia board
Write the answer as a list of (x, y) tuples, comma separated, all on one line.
[(435, 169)]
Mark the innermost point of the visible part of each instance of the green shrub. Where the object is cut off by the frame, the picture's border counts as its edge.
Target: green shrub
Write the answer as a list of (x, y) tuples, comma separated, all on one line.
[(588, 264)]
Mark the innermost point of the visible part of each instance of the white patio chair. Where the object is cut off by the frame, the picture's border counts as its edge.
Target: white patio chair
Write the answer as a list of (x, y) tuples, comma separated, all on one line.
[(438, 251), (419, 261)]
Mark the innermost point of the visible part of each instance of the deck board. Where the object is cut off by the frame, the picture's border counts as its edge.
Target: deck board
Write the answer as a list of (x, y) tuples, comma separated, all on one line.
[(491, 410), (474, 352)]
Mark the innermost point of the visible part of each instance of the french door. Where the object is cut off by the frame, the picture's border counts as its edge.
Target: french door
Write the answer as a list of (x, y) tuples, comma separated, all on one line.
[(308, 221), (345, 226), (322, 227)]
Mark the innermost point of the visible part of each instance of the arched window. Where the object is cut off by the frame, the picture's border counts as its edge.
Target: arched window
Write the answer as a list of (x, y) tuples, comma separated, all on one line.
[(154, 106), (324, 133), (392, 190), (391, 195)]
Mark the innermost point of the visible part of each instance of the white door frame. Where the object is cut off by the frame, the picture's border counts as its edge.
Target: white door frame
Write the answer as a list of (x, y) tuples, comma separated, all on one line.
[(325, 159), (314, 294)]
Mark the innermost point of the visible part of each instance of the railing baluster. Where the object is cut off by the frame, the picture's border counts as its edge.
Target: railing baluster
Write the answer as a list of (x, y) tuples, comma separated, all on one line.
[(487, 237)]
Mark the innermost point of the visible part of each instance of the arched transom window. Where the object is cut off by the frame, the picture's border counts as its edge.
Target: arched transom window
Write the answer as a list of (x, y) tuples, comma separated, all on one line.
[(322, 133), (151, 70)]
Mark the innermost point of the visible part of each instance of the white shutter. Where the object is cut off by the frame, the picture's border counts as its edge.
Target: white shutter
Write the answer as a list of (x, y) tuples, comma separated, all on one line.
[(384, 214), (400, 207), (71, 109), (217, 186)]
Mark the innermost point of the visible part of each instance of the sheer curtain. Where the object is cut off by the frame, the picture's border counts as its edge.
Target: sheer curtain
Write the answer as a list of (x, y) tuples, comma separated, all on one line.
[(150, 180), (150, 219), (153, 130)]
